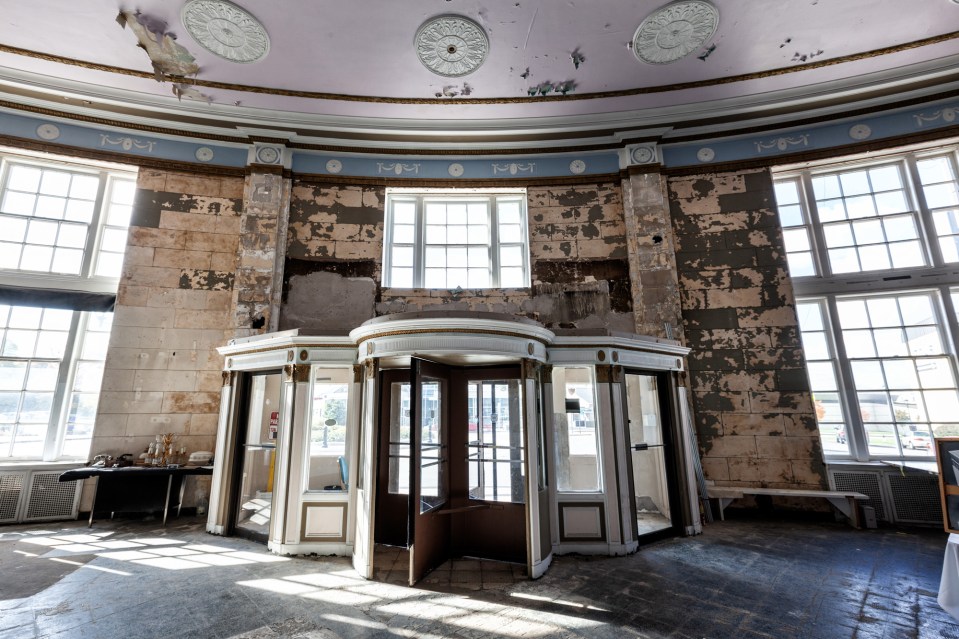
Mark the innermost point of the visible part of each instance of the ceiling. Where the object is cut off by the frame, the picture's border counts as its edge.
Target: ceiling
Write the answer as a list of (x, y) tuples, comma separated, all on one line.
[(350, 68)]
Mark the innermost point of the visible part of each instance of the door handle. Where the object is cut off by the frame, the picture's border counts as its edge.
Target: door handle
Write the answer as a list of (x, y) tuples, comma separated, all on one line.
[(640, 446)]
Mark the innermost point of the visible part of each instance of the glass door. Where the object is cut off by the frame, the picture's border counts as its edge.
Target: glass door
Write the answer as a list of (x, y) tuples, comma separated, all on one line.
[(254, 494), (649, 456), (429, 468)]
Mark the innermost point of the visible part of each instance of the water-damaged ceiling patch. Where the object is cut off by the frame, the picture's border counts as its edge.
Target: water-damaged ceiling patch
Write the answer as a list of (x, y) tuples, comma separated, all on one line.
[(169, 58), (226, 30), (673, 32), (451, 46)]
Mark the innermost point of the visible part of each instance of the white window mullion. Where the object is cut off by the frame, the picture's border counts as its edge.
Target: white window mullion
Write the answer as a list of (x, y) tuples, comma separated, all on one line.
[(61, 398), (494, 242)]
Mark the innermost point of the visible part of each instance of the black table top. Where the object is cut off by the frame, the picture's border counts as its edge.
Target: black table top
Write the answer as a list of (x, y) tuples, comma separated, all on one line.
[(133, 471)]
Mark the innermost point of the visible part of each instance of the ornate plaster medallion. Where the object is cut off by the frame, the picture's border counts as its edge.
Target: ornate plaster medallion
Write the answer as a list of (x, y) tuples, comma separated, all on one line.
[(267, 155), (860, 131), (643, 155), (674, 31), (456, 169), (705, 154), (451, 46), (577, 166), (48, 131), (226, 30), (204, 154), (334, 166)]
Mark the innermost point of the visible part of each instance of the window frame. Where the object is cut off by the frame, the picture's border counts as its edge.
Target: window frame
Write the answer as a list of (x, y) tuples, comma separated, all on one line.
[(87, 279), (420, 197), (55, 438), (938, 278)]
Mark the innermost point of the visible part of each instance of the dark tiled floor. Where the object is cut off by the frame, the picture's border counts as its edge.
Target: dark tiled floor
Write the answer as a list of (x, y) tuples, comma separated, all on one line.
[(748, 578)]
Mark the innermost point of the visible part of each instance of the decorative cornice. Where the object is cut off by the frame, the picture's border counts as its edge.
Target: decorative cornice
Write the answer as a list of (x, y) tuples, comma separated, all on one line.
[(320, 95), (319, 178), (462, 331), (121, 158)]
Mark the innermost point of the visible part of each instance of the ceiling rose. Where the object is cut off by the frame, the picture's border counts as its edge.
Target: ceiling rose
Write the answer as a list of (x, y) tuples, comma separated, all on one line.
[(226, 30), (674, 31), (451, 46)]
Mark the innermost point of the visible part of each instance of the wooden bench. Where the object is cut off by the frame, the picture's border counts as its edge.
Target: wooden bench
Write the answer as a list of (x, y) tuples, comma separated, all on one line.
[(843, 501)]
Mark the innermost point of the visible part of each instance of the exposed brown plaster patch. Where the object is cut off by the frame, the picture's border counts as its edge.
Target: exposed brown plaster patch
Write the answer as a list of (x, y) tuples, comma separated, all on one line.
[(206, 280)]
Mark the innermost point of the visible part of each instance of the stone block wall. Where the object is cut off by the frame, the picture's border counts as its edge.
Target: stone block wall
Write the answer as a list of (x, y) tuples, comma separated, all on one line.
[(580, 272), (174, 307), (754, 415)]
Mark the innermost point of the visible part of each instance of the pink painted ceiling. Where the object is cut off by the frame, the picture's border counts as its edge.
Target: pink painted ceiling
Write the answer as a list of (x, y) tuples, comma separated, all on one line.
[(364, 50)]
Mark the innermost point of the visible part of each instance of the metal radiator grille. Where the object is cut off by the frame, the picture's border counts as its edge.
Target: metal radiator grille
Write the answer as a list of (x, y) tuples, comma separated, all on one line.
[(10, 486), (865, 483), (915, 498), (51, 499)]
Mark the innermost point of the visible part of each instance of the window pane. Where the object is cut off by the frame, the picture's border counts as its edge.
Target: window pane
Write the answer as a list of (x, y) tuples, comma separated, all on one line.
[(868, 375), (403, 256), (885, 178), (935, 373), (510, 233), (43, 376), (435, 213), (88, 376), (810, 316), (511, 256), (79, 211), (457, 277), (95, 345), (36, 258), (801, 264), (874, 258), (512, 278), (892, 202), (328, 430), (114, 239), (826, 186), (509, 213), (119, 214), (109, 264), (901, 374), (24, 178), (435, 256), (859, 344), (25, 317), (455, 214), (821, 376), (891, 342), (12, 374), (478, 234), (401, 277), (907, 254), (883, 311), (19, 203), (55, 183), (10, 255), (456, 234), (791, 215), (796, 240), (85, 187), (479, 278), (41, 232), (403, 234), (435, 234), (404, 213), (478, 256), (73, 235), (52, 344), (844, 260), (868, 232), (941, 195), (51, 207), (838, 234), (786, 193), (854, 183), (831, 210), (815, 345), (67, 261), (14, 228), (435, 278), (575, 430), (935, 170), (456, 256), (19, 343)]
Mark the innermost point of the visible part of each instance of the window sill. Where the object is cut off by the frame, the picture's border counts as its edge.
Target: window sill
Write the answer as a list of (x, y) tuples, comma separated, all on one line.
[(40, 465)]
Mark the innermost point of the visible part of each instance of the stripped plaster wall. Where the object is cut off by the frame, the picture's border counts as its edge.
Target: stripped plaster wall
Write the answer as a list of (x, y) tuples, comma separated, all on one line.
[(175, 305), (754, 415), (580, 271)]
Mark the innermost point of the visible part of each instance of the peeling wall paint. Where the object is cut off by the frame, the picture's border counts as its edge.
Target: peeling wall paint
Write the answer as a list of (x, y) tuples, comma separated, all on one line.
[(753, 408), (580, 276), (174, 307)]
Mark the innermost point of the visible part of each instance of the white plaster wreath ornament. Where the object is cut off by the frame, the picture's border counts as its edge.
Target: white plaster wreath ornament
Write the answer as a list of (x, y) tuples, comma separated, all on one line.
[(451, 46), (675, 31), (226, 30)]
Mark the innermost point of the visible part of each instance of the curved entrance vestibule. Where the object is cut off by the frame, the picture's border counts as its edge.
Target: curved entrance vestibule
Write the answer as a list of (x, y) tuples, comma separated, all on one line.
[(460, 434)]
